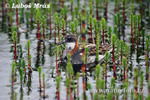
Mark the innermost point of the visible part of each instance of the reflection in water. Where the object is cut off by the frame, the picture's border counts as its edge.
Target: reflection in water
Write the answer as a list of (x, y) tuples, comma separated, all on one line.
[(40, 58), (137, 52), (27, 35), (21, 93), (25, 75), (29, 84), (13, 94), (38, 54), (43, 53), (50, 49), (131, 62), (18, 35), (123, 32)]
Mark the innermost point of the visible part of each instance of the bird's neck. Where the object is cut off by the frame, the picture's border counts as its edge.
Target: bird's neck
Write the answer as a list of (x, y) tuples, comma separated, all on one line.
[(75, 48)]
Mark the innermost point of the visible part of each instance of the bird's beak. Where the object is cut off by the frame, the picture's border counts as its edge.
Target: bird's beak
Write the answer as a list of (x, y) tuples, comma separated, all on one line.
[(60, 43)]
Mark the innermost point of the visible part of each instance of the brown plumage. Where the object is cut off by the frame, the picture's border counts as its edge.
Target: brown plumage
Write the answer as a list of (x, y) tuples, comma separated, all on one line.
[(75, 49)]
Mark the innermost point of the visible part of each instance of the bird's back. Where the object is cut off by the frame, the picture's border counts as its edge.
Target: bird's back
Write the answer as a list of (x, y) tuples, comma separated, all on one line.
[(76, 58)]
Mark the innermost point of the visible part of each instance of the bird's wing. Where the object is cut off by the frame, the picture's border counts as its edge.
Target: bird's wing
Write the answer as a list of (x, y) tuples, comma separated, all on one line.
[(102, 49)]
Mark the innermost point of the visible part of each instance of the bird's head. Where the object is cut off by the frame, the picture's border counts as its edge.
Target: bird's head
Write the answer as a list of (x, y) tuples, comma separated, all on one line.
[(71, 41)]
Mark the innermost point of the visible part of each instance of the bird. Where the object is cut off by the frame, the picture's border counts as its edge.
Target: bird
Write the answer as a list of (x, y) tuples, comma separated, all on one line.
[(20, 30), (75, 49)]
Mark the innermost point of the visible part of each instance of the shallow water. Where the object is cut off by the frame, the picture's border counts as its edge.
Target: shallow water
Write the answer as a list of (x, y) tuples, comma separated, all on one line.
[(46, 59)]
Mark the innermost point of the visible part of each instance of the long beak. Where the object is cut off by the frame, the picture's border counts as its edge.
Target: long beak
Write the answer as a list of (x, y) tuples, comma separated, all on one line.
[(60, 43)]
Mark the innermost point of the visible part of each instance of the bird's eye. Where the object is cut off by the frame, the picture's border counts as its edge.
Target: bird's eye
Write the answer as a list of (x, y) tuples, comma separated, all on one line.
[(68, 38)]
